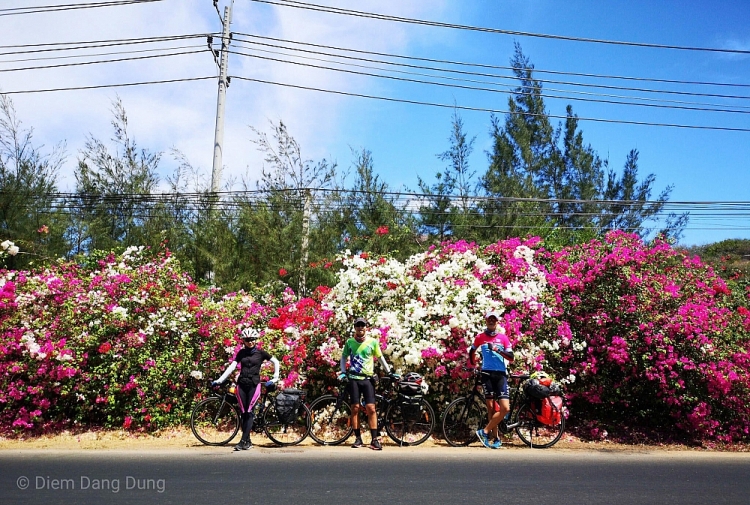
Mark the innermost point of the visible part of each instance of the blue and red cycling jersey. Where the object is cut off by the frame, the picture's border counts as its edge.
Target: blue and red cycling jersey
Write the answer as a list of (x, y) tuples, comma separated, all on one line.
[(492, 361)]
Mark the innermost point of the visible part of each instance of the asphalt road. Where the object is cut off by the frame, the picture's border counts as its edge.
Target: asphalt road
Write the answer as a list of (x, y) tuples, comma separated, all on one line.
[(340, 475)]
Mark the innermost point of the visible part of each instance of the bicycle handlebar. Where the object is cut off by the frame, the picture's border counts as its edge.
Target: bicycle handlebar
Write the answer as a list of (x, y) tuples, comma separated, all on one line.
[(479, 371)]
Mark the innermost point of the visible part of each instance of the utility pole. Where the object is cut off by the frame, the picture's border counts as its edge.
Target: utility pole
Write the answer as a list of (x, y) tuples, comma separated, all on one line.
[(226, 38), (305, 243)]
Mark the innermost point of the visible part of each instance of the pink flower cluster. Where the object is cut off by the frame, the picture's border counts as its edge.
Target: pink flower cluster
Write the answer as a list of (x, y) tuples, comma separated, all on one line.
[(644, 337), (651, 339)]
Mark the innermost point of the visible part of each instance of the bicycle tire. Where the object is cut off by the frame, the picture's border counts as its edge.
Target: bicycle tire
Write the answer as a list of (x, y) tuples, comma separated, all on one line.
[(330, 425), (286, 433), (462, 420), (534, 433), (214, 422), (409, 421)]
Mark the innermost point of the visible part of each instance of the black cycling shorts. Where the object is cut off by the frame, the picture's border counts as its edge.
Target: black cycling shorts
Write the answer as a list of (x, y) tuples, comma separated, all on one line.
[(496, 385), (361, 388)]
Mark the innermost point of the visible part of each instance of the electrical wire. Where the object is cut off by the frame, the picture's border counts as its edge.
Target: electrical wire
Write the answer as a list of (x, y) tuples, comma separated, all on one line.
[(496, 67), (97, 44), (385, 17), (743, 205), (515, 78), (493, 111), (116, 60), (491, 90), (111, 53), (15, 11), (330, 203), (102, 86)]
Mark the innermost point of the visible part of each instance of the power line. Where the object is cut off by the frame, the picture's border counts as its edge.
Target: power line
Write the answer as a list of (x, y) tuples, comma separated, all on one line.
[(481, 74), (385, 17), (491, 90), (395, 195), (94, 44), (15, 11), (101, 86), (494, 111), (116, 60), (496, 67), (164, 205), (111, 53)]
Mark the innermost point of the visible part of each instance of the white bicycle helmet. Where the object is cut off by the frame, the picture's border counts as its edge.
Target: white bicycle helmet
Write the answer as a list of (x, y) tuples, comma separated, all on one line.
[(250, 334)]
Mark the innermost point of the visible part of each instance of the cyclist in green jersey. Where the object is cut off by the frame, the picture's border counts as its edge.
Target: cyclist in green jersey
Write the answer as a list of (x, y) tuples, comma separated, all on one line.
[(361, 352)]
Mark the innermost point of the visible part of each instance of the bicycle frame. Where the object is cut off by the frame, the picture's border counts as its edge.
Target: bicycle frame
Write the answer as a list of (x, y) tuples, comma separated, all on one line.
[(383, 398), (216, 419), (517, 398), (407, 419)]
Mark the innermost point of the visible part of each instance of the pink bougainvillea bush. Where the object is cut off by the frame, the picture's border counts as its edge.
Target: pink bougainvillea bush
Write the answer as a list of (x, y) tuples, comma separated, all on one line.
[(644, 338), (649, 340), (129, 341), (112, 344)]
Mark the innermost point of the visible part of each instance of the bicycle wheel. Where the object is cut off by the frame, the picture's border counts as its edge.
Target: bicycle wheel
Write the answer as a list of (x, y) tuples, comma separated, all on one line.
[(330, 422), (214, 421), (462, 419), (291, 433), (535, 434), (409, 421)]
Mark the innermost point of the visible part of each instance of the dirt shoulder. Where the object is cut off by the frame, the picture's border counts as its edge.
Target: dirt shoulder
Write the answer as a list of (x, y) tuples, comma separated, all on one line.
[(183, 439)]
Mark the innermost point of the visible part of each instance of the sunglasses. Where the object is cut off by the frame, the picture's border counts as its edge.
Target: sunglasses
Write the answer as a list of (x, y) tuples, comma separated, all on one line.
[(359, 325)]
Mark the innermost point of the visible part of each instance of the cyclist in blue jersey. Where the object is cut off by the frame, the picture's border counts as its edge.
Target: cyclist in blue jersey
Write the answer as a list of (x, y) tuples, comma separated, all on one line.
[(496, 351)]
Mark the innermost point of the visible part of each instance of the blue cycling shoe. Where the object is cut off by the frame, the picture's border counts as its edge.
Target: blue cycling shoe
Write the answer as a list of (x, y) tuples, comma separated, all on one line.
[(482, 436)]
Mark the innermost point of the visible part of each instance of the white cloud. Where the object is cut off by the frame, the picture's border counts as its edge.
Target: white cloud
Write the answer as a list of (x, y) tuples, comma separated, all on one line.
[(183, 115)]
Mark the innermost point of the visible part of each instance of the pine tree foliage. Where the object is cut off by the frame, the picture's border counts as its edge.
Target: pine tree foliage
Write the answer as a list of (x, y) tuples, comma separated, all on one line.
[(28, 180), (565, 187)]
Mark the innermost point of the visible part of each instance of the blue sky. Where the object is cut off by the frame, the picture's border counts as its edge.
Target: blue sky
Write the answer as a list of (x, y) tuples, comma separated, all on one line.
[(702, 165)]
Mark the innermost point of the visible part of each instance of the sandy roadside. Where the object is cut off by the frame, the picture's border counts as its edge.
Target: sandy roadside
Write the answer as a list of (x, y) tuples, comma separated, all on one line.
[(183, 439)]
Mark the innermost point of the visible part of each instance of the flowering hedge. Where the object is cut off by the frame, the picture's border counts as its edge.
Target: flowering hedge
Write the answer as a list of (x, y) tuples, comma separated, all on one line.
[(427, 310), (644, 338), (651, 339), (106, 345)]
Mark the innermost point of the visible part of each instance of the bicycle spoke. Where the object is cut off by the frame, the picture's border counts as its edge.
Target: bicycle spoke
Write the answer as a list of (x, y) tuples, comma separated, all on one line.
[(410, 421), (214, 422), (291, 433), (330, 420), (534, 433), (462, 418)]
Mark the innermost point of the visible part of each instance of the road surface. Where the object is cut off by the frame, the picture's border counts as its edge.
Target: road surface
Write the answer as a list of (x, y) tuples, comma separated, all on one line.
[(340, 475)]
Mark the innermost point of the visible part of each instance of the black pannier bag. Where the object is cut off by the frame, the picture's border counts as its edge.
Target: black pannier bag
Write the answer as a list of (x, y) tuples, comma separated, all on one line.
[(288, 403), (411, 407), (533, 389)]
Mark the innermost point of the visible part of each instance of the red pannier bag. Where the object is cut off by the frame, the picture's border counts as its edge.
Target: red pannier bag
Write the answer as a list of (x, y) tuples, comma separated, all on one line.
[(550, 411)]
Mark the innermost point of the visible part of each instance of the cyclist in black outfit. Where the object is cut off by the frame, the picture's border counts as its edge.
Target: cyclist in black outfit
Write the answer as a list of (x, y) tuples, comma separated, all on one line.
[(250, 359)]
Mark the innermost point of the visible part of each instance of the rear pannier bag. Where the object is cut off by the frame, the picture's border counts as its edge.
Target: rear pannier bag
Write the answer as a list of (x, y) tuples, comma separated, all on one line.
[(288, 403), (535, 390), (550, 410)]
